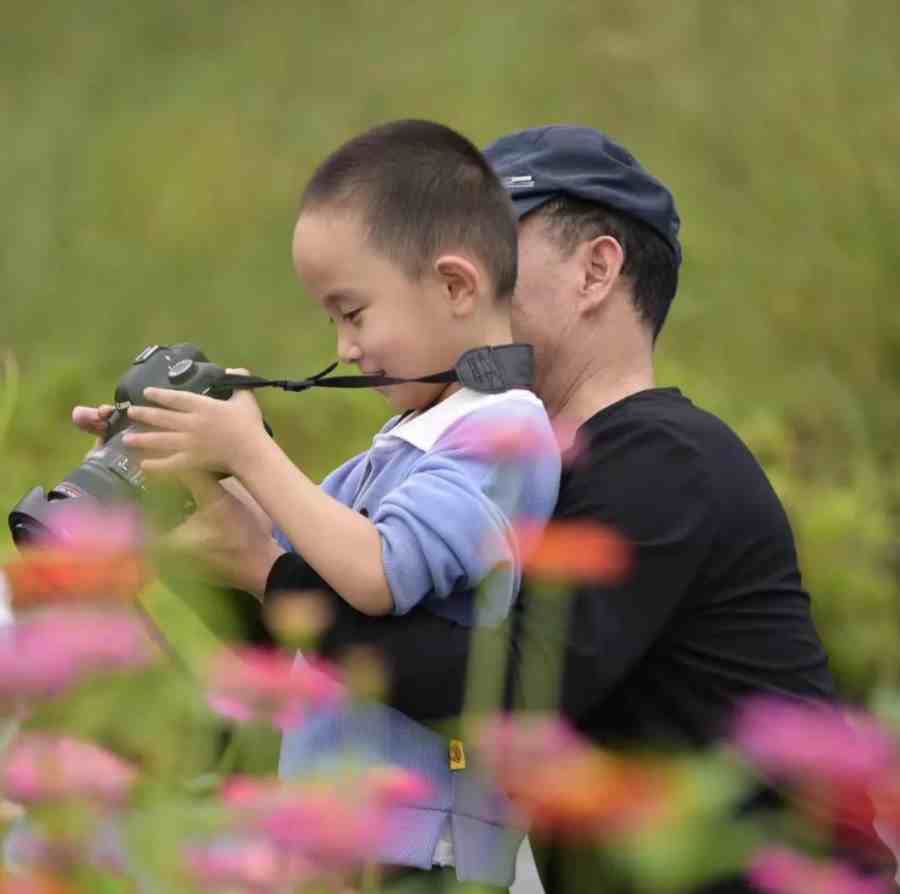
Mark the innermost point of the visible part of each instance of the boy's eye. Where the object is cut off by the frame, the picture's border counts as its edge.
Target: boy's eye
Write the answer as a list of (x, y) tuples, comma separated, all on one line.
[(351, 316)]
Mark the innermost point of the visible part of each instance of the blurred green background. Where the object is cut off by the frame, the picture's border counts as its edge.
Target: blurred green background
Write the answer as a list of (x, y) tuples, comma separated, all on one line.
[(155, 152)]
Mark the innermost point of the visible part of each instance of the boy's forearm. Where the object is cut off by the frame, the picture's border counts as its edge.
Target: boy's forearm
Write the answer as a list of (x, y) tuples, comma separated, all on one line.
[(343, 546)]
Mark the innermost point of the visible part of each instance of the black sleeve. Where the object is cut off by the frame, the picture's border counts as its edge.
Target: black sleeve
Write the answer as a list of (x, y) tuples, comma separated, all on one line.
[(426, 655)]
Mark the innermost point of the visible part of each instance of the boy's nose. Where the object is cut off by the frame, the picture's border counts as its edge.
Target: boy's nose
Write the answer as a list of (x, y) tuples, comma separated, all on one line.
[(347, 350)]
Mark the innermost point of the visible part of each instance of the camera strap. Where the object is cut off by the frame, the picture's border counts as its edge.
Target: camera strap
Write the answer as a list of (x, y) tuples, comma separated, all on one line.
[(489, 370)]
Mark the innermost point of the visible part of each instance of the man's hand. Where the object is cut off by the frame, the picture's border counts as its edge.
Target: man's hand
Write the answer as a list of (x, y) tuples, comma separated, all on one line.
[(93, 420), (228, 535)]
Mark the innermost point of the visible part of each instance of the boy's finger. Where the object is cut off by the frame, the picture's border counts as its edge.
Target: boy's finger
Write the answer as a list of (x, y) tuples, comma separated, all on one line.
[(156, 441), (157, 418), (174, 400)]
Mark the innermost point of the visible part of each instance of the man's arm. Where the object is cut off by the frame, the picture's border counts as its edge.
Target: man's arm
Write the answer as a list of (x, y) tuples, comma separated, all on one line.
[(426, 655)]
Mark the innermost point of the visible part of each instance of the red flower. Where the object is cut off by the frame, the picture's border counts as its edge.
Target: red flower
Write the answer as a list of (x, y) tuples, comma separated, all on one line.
[(61, 575), (562, 784), (574, 551), (91, 552), (33, 885), (260, 685)]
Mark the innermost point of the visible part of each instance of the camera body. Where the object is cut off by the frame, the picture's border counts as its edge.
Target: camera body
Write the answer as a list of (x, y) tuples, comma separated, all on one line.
[(111, 473)]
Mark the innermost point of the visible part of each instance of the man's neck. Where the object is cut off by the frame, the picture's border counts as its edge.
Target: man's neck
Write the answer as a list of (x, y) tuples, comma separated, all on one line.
[(593, 389)]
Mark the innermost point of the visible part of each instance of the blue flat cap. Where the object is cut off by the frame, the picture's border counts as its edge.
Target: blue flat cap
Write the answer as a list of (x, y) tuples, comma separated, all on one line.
[(541, 163)]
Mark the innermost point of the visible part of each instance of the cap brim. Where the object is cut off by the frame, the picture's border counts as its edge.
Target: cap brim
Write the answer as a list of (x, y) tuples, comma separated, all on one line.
[(526, 204)]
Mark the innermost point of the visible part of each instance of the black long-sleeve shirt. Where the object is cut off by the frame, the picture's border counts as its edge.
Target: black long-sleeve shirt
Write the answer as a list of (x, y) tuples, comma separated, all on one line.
[(713, 610)]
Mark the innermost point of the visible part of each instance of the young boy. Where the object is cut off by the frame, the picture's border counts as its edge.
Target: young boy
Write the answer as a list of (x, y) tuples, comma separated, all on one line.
[(407, 240)]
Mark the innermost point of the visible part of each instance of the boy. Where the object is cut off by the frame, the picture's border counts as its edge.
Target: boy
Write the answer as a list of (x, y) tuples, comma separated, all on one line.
[(408, 241)]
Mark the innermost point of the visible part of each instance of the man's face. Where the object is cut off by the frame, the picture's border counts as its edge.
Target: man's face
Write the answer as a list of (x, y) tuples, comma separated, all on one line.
[(385, 322), (541, 314)]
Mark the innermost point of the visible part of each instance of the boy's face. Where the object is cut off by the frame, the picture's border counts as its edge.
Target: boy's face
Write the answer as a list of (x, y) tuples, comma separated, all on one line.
[(385, 322)]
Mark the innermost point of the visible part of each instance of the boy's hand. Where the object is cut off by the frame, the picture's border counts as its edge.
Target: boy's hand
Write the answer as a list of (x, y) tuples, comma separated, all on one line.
[(194, 432)]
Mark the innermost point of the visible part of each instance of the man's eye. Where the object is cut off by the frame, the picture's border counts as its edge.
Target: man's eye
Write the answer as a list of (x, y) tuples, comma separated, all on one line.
[(352, 315)]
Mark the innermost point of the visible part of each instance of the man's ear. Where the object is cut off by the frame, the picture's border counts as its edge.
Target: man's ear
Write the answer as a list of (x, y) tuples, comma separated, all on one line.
[(462, 283), (602, 260)]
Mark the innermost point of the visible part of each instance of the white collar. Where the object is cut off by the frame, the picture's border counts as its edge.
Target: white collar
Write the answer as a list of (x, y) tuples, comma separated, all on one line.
[(423, 429)]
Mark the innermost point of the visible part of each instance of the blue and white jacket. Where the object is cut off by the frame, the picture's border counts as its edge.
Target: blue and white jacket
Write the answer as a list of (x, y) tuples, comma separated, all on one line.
[(444, 502)]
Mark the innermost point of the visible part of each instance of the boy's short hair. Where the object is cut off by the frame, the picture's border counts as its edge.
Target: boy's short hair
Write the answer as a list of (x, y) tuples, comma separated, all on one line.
[(422, 188)]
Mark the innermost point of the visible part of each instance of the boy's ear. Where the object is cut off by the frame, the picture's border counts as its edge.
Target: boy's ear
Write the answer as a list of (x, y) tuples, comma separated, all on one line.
[(602, 262), (462, 282)]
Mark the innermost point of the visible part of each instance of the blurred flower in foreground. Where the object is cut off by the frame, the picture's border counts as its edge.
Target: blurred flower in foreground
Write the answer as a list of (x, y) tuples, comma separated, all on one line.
[(778, 870), (44, 654), (261, 685), (300, 616), (33, 885), (510, 439), (833, 759), (251, 864), (92, 553), (563, 785), (334, 823), (40, 768), (574, 551), (87, 527), (56, 576), (82, 843), (815, 742)]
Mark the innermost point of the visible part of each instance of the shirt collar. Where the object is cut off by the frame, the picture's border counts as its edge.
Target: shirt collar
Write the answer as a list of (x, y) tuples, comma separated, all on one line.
[(422, 430)]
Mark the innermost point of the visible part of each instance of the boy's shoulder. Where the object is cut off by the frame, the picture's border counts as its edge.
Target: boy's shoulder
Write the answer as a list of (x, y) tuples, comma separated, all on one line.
[(468, 414)]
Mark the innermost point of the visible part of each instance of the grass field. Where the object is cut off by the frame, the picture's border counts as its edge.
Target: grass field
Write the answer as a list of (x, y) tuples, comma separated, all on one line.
[(154, 154)]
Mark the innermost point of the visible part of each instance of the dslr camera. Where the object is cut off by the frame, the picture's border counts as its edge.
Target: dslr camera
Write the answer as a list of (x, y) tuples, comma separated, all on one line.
[(111, 473)]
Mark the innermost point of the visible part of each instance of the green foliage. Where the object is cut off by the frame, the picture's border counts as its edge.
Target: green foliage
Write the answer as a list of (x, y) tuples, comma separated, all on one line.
[(154, 154)]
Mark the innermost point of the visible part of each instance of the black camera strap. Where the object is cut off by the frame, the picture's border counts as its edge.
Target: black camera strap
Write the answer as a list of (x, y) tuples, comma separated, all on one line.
[(489, 370)]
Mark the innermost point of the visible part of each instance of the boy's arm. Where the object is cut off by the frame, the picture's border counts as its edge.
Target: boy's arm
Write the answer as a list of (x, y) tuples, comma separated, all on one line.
[(342, 545)]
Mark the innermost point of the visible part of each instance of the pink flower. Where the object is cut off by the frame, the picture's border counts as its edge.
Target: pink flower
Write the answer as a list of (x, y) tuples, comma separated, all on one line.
[(256, 684), (85, 526), (249, 864), (808, 742), (777, 870), (332, 823), (393, 786), (518, 743), (514, 438), (45, 654), (42, 768)]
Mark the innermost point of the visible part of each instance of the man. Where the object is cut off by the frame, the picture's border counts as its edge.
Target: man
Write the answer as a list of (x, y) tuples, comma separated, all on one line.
[(714, 609)]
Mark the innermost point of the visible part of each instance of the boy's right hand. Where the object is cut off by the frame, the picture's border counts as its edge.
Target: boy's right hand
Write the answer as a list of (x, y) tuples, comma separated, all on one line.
[(93, 420)]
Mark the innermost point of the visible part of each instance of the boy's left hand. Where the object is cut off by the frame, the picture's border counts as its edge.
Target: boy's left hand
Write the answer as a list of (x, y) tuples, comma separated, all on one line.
[(193, 432)]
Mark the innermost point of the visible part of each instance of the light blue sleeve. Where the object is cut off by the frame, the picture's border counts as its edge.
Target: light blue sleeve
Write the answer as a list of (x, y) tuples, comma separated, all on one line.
[(341, 484), (451, 522)]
